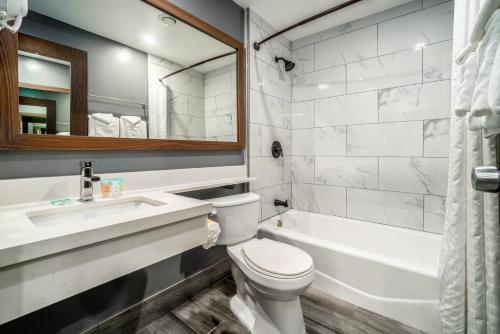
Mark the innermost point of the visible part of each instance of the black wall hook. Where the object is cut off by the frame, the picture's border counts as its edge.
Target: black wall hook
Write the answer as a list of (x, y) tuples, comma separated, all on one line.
[(276, 150)]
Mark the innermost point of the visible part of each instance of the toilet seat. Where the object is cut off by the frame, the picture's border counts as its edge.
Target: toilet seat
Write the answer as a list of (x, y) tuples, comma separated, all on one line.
[(276, 259)]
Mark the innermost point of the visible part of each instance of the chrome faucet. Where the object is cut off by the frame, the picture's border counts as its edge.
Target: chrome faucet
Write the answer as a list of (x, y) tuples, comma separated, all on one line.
[(87, 178)]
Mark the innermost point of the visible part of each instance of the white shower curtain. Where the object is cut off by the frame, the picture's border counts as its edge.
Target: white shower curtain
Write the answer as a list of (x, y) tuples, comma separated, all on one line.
[(158, 110), (469, 269)]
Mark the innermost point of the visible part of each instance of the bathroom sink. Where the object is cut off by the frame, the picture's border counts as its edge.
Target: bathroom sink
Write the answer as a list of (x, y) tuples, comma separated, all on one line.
[(88, 211)]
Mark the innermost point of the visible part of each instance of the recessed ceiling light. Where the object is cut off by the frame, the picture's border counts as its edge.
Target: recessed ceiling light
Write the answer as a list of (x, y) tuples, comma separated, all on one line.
[(167, 20), (149, 40)]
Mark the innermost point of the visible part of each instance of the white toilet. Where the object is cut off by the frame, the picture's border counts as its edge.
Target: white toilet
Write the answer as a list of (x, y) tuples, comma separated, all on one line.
[(269, 275)]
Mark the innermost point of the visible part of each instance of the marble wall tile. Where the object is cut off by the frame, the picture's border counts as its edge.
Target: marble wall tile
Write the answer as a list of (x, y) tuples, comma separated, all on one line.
[(271, 134), (436, 137), (303, 115), (287, 161), (385, 15), (392, 70), (319, 198), (268, 50), (268, 171), (319, 141), (355, 46), (226, 103), (437, 61), (346, 109), (303, 169), (276, 82), (187, 84), (415, 102), (287, 115), (303, 59), (434, 213), (178, 104), (411, 31), (185, 125), (414, 175), (210, 106), (385, 139), (255, 73), (320, 84), (224, 125), (196, 106), (391, 208), (265, 109), (429, 3), (282, 192), (218, 85), (319, 36), (255, 140), (351, 172)]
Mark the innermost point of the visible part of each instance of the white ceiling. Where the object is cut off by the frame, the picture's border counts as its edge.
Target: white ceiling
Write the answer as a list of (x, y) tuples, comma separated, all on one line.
[(133, 22), (283, 13)]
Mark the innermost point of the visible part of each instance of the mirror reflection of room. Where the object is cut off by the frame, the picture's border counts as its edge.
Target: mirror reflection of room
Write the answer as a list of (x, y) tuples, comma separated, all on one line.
[(139, 84)]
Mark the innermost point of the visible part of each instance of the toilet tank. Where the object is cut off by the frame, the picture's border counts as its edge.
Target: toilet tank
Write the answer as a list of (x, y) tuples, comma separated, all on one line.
[(237, 216)]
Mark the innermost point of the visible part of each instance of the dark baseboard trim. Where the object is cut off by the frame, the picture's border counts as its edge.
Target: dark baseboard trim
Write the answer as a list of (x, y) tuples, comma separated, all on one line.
[(143, 313)]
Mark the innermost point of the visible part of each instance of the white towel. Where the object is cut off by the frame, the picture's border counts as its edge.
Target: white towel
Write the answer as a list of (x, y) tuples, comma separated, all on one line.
[(468, 77), (486, 53), (132, 127), (494, 87), (489, 124), (103, 125)]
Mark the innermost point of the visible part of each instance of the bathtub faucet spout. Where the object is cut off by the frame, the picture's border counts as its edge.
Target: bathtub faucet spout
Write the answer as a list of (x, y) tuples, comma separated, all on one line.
[(277, 202)]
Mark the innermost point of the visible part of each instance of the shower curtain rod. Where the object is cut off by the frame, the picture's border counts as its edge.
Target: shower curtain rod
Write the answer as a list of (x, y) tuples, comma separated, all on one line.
[(197, 64), (257, 45)]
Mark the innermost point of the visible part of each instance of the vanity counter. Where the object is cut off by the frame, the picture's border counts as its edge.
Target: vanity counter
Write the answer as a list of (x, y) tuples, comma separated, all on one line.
[(21, 239)]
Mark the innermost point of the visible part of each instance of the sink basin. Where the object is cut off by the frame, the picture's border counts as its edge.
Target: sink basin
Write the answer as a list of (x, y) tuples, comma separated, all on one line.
[(89, 211)]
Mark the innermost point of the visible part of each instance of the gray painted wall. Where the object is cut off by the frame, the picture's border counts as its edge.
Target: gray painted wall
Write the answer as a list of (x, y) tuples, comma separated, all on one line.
[(223, 14)]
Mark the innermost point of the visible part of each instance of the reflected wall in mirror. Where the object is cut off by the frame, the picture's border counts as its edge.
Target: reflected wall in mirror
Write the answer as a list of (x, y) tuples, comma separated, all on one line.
[(136, 79)]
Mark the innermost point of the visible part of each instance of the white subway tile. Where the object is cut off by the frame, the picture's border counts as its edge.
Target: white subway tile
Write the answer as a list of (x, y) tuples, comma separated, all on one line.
[(303, 59), (347, 172), (416, 102), (265, 109), (320, 84), (346, 109), (303, 115), (282, 192), (303, 169), (268, 171), (434, 213), (392, 70), (436, 137), (319, 141), (411, 31), (355, 46), (391, 208), (319, 198), (385, 139), (415, 175), (437, 61)]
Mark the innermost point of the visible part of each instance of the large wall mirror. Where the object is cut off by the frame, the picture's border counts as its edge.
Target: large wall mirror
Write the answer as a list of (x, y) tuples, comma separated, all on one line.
[(120, 74)]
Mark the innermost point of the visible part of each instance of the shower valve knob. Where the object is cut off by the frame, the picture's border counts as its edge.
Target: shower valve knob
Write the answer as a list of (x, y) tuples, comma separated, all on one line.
[(486, 178)]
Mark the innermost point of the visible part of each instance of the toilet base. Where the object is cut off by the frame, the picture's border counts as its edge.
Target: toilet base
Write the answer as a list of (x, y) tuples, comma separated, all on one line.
[(262, 314)]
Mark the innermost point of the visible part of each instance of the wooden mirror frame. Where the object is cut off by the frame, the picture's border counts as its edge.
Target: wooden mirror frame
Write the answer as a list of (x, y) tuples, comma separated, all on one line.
[(12, 139)]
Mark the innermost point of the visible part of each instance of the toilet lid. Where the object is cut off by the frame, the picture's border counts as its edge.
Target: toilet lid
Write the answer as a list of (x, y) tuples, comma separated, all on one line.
[(276, 258)]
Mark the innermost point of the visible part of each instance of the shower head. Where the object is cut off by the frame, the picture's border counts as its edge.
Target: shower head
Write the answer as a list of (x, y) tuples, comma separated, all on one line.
[(289, 65)]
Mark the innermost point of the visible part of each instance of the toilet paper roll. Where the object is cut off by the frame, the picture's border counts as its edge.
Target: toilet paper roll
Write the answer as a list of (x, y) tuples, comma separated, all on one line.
[(213, 234)]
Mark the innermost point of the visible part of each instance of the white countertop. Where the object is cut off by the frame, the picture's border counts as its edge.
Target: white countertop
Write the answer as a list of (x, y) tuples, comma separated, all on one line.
[(22, 240)]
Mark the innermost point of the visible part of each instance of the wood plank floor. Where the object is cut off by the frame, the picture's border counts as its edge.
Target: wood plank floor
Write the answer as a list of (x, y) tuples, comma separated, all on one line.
[(209, 312)]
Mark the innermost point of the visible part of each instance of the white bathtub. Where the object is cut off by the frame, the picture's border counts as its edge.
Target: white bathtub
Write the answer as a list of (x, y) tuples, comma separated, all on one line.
[(389, 270)]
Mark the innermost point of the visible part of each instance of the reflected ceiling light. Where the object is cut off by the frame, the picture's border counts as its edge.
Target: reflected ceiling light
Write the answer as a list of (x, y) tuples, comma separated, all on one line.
[(322, 86), (167, 20), (123, 56), (149, 40), (419, 46), (33, 65)]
